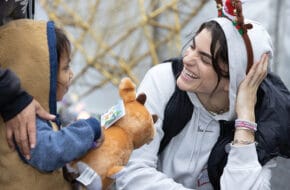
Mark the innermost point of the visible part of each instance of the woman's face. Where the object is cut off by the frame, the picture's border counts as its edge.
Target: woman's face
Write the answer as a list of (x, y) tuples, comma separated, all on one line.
[(198, 74), (64, 76)]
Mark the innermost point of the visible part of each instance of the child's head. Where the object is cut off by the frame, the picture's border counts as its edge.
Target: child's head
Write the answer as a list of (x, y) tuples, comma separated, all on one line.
[(65, 74), (42, 62)]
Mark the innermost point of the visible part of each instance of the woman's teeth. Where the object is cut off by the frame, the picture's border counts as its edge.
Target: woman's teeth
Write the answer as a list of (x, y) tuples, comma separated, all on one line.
[(190, 74)]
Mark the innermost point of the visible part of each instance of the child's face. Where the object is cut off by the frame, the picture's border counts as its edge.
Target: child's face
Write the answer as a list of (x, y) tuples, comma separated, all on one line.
[(64, 76)]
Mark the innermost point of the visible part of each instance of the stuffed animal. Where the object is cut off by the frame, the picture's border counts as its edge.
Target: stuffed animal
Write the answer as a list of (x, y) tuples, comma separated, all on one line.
[(99, 166)]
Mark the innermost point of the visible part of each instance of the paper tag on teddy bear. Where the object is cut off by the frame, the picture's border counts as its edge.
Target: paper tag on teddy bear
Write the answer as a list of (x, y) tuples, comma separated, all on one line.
[(113, 114), (88, 177)]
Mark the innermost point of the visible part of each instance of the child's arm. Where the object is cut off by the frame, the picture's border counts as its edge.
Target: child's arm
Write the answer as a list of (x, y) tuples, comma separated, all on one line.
[(56, 148)]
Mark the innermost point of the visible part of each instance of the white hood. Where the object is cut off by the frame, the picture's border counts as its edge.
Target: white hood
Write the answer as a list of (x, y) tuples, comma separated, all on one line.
[(237, 55)]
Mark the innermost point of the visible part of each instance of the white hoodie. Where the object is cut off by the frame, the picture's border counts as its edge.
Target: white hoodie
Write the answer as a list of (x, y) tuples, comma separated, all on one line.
[(183, 163)]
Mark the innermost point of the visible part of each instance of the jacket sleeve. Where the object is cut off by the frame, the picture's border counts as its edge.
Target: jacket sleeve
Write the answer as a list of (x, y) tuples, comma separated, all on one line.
[(243, 170), (56, 148), (13, 99), (141, 171), (11, 10)]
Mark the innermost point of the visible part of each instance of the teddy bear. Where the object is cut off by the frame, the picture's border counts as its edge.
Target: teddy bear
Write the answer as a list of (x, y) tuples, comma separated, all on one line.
[(98, 168)]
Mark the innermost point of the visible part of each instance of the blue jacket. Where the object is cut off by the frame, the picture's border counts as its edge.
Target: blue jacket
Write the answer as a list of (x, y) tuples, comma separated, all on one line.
[(54, 149)]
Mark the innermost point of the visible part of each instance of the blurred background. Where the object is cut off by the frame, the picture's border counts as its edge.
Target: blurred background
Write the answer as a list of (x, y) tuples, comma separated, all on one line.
[(116, 38), (112, 39)]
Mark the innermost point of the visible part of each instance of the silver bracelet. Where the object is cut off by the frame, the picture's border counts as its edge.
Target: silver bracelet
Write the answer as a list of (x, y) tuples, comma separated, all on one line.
[(242, 142), (245, 129)]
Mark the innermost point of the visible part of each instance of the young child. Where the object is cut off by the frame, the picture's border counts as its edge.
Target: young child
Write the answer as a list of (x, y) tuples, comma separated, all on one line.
[(42, 64)]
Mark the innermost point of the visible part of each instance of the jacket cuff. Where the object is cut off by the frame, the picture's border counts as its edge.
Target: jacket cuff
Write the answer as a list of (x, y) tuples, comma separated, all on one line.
[(95, 125), (243, 156), (16, 106)]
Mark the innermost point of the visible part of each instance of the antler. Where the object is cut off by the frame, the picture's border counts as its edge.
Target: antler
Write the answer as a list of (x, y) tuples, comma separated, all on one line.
[(234, 12)]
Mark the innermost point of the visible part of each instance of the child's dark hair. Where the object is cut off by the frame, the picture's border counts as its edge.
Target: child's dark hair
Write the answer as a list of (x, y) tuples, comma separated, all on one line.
[(63, 45)]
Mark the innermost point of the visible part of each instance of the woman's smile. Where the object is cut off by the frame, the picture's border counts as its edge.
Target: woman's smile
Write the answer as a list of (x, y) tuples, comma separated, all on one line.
[(186, 73)]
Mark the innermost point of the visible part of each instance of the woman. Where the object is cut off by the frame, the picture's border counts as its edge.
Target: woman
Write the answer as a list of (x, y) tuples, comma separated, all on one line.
[(207, 128)]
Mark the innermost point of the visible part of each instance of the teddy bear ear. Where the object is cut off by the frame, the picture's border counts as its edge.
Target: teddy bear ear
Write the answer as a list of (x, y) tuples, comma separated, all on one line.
[(141, 98), (155, 118)]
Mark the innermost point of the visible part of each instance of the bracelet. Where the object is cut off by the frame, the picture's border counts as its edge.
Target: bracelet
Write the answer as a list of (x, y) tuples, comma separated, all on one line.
[(246, 124), (245, 129), (242, 142)]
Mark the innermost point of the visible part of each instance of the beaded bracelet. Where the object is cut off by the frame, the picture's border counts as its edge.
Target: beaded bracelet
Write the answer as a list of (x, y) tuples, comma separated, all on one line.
[(246, 124)]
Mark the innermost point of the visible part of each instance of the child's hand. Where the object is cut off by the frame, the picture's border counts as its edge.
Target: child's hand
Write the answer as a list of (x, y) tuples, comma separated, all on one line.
[(100, 141), (246, 98), (22, 127)]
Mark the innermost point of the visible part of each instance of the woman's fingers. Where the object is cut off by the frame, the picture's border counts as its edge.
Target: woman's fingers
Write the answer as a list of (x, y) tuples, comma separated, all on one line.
[(246, 97), (265, 66), (262, 68), (258, 72)]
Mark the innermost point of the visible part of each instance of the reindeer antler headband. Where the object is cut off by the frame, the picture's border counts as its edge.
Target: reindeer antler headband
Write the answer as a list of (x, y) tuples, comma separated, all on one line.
[(232, 9)]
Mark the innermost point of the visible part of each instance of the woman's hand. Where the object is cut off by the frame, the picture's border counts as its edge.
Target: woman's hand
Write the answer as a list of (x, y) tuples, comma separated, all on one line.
[(246, 98), (22, 128)]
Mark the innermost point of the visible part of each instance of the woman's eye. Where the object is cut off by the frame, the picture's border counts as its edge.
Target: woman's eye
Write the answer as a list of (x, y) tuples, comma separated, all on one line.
[(205, 60)]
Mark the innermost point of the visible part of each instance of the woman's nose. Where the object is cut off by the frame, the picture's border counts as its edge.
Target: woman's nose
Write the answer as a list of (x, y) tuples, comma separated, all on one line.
[(190, 56), (187, 51)]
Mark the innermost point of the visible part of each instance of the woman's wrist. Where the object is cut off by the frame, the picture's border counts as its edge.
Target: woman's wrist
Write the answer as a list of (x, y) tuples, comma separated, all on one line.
[(247, 116), (249, 134), (245, 131), (245, 125), (244, 135)]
